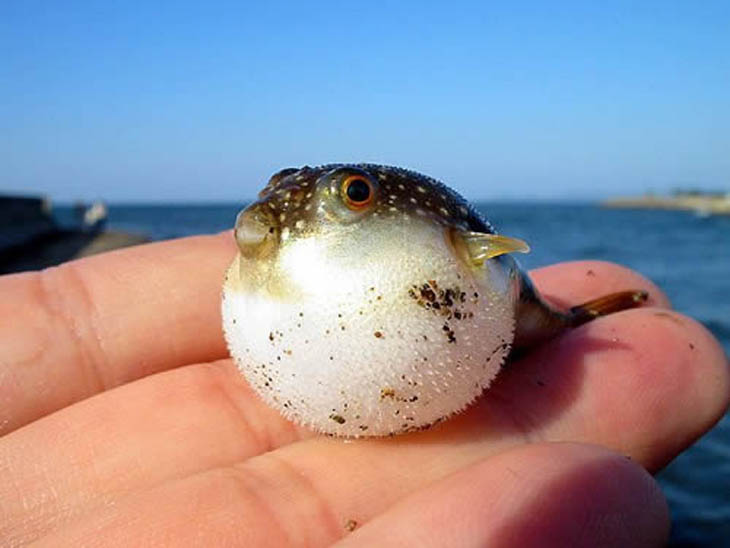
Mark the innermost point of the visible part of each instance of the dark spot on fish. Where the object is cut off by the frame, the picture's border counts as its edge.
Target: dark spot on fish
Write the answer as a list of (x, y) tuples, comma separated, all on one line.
[(339, 419), (387, 393), (271, 336), (450, 336), (378, 335), (442, 301), (691, 346), (448, 298), (540, 383), (427, 293), (590, 273)]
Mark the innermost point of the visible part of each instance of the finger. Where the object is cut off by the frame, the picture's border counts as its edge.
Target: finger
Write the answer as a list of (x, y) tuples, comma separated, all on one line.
[(534, 495), (69, 332), (606, 388), (572, 283), (165, 426), (270, 503), (619, 382)]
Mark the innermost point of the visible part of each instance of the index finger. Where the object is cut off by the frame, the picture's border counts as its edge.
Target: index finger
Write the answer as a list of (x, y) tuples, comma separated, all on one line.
[(83, 327)]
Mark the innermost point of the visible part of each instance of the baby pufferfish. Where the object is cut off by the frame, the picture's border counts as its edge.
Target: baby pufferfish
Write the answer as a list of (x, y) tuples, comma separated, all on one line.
[(368, 300)]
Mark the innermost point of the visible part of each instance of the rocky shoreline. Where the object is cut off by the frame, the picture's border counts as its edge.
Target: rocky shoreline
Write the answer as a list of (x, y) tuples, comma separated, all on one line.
[(62, 246), (32, 239)]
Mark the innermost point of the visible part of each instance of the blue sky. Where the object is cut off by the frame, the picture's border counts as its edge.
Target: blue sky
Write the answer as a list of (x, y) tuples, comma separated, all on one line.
[(201, 101)]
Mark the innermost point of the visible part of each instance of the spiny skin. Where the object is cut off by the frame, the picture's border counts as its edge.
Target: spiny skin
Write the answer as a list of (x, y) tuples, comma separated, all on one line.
[(365, 321)]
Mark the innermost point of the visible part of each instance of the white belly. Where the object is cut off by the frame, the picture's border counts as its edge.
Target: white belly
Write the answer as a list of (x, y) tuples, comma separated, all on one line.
[(386, 344)]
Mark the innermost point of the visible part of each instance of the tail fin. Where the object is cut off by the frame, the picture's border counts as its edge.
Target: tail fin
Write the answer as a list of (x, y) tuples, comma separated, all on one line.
[(537, 321), (608, 304)]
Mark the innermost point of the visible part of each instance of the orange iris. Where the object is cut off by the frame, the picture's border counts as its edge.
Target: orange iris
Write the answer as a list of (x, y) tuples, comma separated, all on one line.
[(357, 191)]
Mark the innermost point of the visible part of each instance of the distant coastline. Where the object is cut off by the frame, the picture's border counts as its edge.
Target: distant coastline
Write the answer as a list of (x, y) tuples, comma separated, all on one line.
[(697, 202)]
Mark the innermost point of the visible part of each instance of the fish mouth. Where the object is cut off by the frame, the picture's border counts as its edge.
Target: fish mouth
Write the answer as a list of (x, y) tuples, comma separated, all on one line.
[(256, 232)]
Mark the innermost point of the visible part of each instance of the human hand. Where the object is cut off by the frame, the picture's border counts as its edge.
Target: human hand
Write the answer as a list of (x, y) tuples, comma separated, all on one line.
[(124, 423)]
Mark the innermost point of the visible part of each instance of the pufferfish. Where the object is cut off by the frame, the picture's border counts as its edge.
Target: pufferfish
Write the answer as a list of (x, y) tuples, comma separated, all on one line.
[(368, 300)]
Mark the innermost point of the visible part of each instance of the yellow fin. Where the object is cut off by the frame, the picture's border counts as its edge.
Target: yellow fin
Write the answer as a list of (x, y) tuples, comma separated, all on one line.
[(481, 246)]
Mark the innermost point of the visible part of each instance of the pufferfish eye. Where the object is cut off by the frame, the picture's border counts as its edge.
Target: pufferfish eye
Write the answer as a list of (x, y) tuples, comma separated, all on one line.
[(357, 191)]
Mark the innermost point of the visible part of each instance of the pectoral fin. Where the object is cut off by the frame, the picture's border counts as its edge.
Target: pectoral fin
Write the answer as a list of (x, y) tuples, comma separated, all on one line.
[(478, 247)]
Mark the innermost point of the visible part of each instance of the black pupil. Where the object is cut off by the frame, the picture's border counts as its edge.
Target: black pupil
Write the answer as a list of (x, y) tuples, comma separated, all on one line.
[(358, 191)]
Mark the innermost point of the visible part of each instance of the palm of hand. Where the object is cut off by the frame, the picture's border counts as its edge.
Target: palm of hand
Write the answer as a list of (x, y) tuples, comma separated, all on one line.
[(174, 448)]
